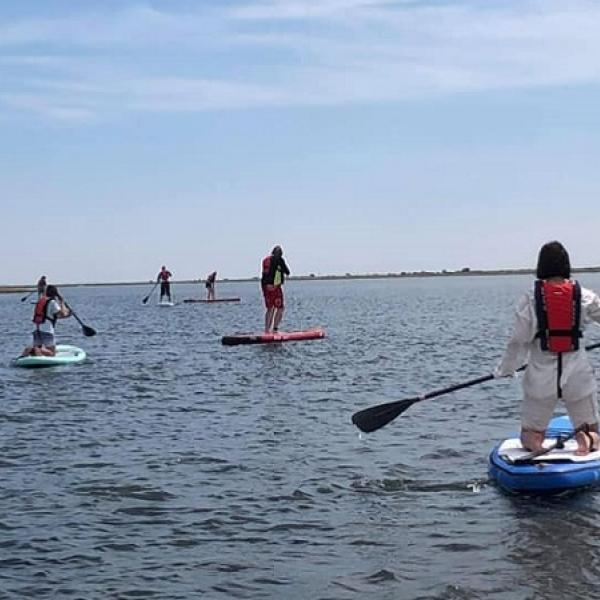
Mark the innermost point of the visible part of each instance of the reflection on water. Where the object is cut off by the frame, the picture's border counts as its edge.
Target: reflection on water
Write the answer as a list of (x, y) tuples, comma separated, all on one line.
[(168, 466)]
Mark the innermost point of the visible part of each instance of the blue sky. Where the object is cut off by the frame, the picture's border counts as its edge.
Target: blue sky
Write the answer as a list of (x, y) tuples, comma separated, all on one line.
[(361, 135)]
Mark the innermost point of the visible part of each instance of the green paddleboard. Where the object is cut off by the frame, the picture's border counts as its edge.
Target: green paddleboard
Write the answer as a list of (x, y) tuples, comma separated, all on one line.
[(65, 355)]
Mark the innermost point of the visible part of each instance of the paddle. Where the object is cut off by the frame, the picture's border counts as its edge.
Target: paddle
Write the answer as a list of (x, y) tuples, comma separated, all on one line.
[(150, 294), (375, 417), (87, 331), (27, 296), (560, 442)]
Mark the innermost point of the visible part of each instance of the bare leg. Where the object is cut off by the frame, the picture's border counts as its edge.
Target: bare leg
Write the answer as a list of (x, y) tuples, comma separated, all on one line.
[(277, 318), (28, 351), (48, 351), (269, 319), (588, 441), (532, 440)]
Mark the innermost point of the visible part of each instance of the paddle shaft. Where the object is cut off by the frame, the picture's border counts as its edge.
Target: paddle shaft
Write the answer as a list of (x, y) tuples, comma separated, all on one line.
[(460, 386), (27, 296), (87, 331), (150, 294), (373, 418)]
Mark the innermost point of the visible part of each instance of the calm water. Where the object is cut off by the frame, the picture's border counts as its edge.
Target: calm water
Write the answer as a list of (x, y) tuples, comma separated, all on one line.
[(168, 466)]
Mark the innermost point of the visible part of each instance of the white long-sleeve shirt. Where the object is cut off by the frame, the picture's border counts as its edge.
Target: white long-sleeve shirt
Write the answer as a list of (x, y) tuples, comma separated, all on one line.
[(540, 379)]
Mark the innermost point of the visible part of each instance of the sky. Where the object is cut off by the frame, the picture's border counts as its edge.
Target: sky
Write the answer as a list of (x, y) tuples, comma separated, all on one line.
[(364, 136)]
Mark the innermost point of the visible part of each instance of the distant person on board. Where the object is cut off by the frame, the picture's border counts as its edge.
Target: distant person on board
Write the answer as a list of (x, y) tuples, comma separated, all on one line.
[(549, 323), (165, 286), (48, 309), (274, 271), (210, 286), (41, 286)]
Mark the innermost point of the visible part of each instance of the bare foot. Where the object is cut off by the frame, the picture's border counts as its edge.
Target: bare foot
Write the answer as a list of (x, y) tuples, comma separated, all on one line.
[(532, 440), (587, 442)]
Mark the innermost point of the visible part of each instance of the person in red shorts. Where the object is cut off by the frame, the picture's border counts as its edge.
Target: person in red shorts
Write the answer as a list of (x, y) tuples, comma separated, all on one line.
[(274, 271)]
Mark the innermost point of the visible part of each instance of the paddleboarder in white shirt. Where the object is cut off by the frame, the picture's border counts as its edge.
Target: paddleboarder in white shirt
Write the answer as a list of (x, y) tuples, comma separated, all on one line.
[(549, 323), (48, 309)]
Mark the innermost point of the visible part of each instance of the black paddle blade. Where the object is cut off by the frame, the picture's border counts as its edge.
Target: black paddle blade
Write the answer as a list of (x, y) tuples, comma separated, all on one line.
[(145, 300), (88, 331), (375, 417)]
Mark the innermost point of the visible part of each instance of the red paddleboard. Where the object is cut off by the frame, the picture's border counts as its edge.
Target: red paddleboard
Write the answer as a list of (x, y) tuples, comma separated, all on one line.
[(269, 338), (193, 300)]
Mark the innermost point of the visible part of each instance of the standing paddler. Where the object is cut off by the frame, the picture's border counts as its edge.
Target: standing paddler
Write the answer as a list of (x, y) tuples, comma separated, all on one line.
[(165, 285), (210, 286), (274, 271)]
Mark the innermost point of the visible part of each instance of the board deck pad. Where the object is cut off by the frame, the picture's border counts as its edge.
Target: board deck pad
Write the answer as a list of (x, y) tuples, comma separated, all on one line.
[(269, 338), (512, 450)]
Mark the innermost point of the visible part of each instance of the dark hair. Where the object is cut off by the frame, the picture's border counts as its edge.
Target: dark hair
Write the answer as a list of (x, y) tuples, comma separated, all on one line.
[(553, 261), (52, 291), (277, 251)]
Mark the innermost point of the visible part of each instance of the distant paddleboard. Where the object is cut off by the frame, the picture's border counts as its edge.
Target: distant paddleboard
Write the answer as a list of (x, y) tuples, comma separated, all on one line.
[(269, 338), (65, 355), (198, 301), (166, 303)]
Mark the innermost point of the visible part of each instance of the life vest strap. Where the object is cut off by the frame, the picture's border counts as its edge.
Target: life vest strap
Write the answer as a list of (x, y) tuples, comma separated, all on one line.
[(564, 332)]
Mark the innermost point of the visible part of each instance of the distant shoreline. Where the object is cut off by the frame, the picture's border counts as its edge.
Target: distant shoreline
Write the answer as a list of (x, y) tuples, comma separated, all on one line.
[(16, 289)]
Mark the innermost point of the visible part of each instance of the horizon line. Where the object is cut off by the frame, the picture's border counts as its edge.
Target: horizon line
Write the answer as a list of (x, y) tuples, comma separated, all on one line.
[(464, 272)]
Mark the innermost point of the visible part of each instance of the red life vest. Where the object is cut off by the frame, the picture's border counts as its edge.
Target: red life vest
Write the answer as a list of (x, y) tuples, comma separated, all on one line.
[(266, 264), (40, 314), (558, 312), (164, 275)]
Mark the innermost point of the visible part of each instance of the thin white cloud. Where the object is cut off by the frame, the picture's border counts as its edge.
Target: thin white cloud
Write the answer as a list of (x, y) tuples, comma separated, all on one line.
[(46, 107), (307, 9), (292, 53)]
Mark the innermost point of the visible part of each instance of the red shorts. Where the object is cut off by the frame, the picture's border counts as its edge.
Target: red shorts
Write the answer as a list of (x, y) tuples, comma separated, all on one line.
[(273, 296)]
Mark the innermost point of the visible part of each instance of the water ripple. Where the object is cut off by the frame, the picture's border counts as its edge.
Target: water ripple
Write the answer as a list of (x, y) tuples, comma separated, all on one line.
[(168, 466)]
